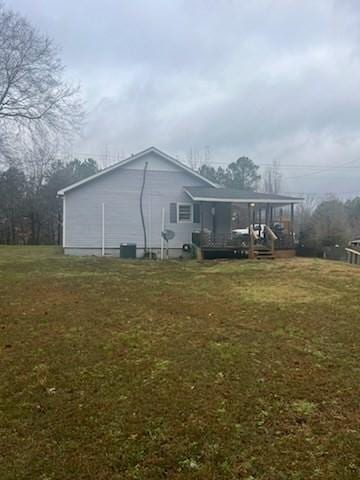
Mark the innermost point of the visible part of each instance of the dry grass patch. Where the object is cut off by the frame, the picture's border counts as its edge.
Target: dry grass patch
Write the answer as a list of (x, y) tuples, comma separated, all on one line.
[(298, 291), (149, 370)]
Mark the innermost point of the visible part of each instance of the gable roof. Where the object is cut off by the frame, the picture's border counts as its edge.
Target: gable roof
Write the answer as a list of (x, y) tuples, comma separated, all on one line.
[(132, 158), (208, 194)]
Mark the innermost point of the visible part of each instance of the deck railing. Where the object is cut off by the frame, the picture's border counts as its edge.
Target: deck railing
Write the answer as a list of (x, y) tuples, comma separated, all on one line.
[(221, 240), (247, 241), (353, 256), (253, 240), (271, 238)]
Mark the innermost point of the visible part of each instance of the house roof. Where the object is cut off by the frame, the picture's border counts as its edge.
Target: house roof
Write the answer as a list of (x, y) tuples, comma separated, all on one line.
[(163, 155), (211, 194)]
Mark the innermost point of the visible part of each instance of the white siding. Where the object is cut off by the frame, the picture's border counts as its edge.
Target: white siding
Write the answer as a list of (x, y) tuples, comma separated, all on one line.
[(120, 192)]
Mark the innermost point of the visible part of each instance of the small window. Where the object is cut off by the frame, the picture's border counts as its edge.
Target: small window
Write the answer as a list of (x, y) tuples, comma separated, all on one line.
[(185, 212)]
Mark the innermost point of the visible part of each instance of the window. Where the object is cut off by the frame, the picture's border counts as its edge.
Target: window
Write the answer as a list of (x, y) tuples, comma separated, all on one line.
[(185, 212)]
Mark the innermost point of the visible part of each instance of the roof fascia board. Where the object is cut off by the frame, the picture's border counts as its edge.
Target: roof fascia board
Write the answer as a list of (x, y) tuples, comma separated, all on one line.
[(283, 201)]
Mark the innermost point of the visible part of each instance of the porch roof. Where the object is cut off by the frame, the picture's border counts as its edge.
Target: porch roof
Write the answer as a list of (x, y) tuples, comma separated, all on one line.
[(230, 195)]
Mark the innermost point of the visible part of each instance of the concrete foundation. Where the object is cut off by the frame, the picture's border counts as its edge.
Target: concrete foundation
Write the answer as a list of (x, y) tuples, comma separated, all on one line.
[(174, 253)]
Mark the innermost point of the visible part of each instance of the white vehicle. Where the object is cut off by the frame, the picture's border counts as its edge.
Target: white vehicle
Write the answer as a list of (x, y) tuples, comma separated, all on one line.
[(245, 231)]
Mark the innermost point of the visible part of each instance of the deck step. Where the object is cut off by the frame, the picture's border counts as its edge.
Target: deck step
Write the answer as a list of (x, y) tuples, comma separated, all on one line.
[(263, 254)]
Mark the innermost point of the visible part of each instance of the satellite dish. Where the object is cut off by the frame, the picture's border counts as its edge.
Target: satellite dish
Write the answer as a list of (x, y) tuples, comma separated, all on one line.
[(167, 235)]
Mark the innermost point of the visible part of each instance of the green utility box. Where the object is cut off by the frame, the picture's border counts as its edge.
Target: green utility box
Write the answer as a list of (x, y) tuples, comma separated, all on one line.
[(127, 250)]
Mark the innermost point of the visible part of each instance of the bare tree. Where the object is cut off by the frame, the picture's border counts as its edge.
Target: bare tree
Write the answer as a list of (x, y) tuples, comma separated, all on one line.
[(196, 158), (33, 94), (303, 217), (331, 223), (193, 158), (272, 178)]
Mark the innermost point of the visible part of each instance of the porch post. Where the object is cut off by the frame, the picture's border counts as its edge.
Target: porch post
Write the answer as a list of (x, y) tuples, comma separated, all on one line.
[(201, 209), (231, 219), (201, 217), (267, 214), (292, 224), (213, 212), (251, 207), (250, 244)]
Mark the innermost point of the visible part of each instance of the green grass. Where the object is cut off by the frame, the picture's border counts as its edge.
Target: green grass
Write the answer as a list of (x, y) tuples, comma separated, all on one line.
[(177, 370)]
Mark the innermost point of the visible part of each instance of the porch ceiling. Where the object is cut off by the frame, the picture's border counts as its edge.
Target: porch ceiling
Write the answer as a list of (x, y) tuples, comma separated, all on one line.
[(211, 194)]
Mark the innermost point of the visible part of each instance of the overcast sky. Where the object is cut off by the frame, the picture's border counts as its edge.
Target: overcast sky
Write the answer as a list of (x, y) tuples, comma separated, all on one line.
[(272, 80)]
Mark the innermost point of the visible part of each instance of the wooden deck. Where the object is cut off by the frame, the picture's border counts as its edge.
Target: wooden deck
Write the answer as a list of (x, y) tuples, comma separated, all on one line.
[(245, 246)]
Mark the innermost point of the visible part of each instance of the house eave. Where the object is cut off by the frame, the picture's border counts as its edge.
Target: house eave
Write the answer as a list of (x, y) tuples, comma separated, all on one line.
[(257, 200)]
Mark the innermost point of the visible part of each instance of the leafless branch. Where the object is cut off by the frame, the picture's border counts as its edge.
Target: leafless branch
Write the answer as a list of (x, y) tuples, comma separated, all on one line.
[(33, 93)]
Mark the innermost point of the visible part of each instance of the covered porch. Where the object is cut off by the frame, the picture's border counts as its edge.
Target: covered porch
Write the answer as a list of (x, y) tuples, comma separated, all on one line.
[(245, 224)]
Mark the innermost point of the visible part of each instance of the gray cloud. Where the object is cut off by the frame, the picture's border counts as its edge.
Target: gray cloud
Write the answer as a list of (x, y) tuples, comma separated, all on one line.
[(268, 79)]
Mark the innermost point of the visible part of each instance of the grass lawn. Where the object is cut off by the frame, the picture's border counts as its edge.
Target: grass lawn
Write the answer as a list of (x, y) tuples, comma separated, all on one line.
[(178, 370)]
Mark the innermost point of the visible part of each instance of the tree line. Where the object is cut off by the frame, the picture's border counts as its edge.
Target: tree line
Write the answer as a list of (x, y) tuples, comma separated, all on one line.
[(328, 223), (30, 212)]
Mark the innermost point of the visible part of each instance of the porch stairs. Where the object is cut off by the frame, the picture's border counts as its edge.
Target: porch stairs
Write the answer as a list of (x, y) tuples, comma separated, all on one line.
[(262, 252)]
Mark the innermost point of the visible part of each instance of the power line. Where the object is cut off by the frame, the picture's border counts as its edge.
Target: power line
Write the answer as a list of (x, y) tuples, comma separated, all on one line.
[(323, 168), (212, 162), (317, 194), (345, 165), (285, 165), (291, 165)]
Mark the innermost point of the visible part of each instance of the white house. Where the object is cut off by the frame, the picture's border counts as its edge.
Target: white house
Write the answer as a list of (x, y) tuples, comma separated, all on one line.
[(135, 200)]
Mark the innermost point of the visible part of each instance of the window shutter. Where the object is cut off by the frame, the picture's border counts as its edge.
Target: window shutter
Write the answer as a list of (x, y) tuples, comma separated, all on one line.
[(173, 213), (196, 213)]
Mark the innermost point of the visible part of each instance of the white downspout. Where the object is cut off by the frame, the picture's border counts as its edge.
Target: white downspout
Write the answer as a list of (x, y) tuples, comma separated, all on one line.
[(64, 223), (149, 241), (162, 229), (103, 231)]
